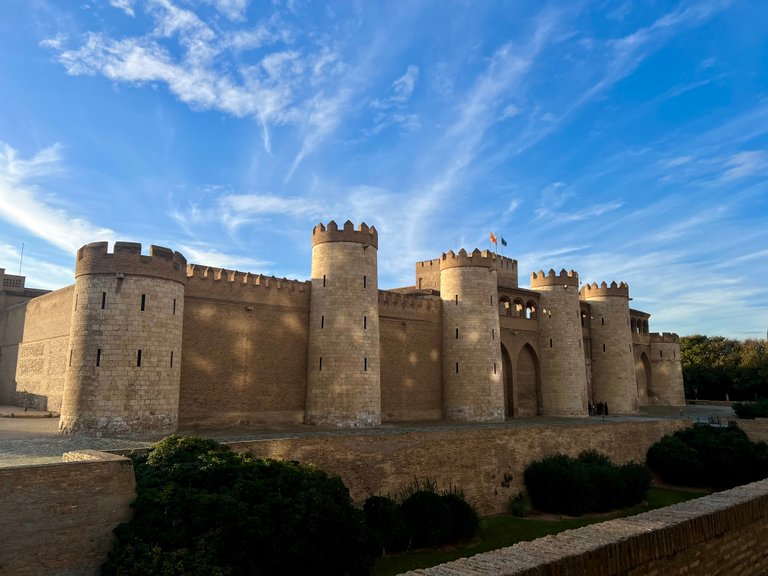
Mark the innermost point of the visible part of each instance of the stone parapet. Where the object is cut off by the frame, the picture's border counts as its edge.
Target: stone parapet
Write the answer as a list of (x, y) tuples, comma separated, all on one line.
[(589, 291), (126, 259), (540, 279), (331, 233)]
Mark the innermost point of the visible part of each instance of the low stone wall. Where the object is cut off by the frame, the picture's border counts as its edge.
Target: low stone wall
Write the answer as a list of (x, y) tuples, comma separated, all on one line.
[(57, 519), (487, 463), (723, 533)]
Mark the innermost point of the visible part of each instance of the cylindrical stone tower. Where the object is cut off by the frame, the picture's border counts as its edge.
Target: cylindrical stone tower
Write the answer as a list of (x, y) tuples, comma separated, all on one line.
[(344, 367), (563, 370), (666, 386), (124, 361), (613, 364), (473, 389)]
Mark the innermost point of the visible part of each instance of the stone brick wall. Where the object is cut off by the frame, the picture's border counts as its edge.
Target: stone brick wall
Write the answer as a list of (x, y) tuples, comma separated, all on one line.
[(724, 533), (11, 332), (43, 351), (411, 376), (666, 370), (57, 519), (245, 350), (486, 461)]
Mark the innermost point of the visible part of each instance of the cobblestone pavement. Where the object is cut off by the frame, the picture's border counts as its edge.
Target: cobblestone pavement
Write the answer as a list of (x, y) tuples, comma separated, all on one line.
[(32, 437)]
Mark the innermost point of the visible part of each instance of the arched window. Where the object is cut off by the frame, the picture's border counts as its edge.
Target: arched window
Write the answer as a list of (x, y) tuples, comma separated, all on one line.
[(583, 318), (634, 325), (530, 310), (505, 307), (519, 308)]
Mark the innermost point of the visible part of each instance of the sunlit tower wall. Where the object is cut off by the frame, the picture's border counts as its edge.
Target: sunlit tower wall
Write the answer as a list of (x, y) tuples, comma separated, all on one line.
[(613, 365), (563, 369), (666, 387), (344, 367), (124, 357), (473, 389)]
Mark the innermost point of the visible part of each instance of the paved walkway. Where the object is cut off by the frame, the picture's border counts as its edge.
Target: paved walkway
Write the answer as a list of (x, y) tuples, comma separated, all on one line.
[(33, 438)]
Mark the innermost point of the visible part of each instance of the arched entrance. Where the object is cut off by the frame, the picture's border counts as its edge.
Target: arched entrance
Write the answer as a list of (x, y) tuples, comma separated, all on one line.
[(521, 385), (643, 376), (527, 383)]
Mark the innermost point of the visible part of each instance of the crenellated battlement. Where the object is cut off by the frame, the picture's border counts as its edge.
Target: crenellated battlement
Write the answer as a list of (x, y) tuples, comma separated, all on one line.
[(564, 278), (398, 300), (207, 281), (664, 338), (127, 259), (478, 259), (331, 233), (594, 291)]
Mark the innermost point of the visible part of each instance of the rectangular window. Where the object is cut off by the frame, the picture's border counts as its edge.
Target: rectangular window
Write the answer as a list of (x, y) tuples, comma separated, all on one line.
[(493, 333), (365, 322), (602, 321), (143, 301), (103, 300), (171, 358), (323, 279), (457, 299), (457, 367), (174, 306), (322, 322), (365, 281), (138, 358), (494, 367), (98, 357), (321, 363), (603, 347), (491, 299), (550, 342), (365, 364)]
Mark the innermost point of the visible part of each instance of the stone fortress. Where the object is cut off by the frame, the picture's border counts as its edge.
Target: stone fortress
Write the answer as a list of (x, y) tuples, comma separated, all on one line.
[(146, 344)]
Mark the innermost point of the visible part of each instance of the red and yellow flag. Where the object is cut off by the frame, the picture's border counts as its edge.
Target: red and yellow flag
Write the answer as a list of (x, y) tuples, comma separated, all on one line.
[(492, 236)]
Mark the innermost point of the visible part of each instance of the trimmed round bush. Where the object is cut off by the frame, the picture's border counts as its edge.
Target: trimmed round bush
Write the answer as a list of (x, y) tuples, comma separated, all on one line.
[(464, 518), (387, 522), (202, 509), (709, 456), (429, 518)]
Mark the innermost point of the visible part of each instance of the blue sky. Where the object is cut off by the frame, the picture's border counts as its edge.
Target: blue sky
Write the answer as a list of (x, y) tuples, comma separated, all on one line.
[(627, 140)]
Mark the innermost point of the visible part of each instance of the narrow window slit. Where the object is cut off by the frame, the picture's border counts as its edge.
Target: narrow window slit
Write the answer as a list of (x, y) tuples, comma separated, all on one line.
[(143, 302), (98, 357), (138, 359), (103, 300)]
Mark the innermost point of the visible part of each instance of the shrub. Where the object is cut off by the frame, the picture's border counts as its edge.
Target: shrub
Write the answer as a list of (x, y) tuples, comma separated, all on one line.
[(589, 483), (464, 517), (429, 518), (709, 456), (751, 410), (385, 519), (202, 509), (517, 505)]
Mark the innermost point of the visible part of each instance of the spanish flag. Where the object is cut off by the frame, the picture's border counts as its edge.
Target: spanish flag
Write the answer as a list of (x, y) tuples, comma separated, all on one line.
[(492, 236)]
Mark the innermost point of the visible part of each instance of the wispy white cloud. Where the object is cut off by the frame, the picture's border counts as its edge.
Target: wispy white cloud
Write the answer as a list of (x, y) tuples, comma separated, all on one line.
[(743, 164), (204, 255), (124, 5), (25, 204)]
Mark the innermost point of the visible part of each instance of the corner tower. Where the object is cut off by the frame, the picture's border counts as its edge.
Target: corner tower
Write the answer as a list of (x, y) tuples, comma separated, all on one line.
[(344, 378), (613, 365), (473, 389), (666, 386), (124, 358), (563, 370)]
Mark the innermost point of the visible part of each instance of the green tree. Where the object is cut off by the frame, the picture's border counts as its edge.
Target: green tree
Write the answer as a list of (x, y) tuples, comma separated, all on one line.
[(202, 509)]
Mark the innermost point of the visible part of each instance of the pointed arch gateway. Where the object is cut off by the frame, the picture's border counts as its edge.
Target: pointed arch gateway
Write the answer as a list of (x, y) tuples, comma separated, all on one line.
[(521, 383)]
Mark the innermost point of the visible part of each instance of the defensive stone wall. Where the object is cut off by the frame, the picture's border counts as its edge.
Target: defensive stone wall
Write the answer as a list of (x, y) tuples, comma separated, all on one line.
[(11, 332), (667, 370), (723, 533), (485, 461), (411, 377), (58, 518), (42, 357), (245, 349)]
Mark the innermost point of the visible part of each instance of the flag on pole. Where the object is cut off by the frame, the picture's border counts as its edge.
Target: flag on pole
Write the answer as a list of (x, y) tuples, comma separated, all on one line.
[(492, 236), (503, 242)]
